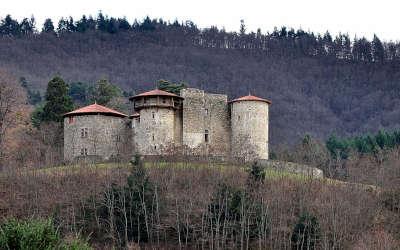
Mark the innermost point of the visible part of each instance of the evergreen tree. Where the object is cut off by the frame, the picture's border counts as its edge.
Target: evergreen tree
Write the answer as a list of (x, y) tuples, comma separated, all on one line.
[(62, 26), (112, 26), (57, 101), (27, 26), (78, 91), (101, 22), (104, 92), (378, 52), (147, 25), (242, 28), (9, 26), (48, 26), (123, 24), (170, 87), (82, 25), (70, 25), (306, 233)]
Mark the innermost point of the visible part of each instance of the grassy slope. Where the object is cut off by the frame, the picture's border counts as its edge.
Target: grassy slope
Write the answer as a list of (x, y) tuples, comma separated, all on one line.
[(271, 174)]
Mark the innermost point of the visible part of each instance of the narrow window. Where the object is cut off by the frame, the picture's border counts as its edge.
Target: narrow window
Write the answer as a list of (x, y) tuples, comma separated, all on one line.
[(153, 115), (238, 117), (155, 147), (71, 119), (206, 136), (86, 132), (153, 137), (86, 151), (206, 111)]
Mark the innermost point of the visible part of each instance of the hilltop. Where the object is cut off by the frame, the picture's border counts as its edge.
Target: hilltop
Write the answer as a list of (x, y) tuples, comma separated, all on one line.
[(318, 84)]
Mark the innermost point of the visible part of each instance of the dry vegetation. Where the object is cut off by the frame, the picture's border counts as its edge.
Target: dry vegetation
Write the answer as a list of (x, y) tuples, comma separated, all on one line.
[(348, 217)]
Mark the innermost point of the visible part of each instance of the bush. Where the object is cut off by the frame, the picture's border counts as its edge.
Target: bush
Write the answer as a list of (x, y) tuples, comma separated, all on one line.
[(76, 244), (306, 232), (30, 234)]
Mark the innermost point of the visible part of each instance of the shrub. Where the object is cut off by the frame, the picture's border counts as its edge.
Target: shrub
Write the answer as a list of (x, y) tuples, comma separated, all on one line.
[(30, 234), (306, 232), (256, 173), (75, 244)]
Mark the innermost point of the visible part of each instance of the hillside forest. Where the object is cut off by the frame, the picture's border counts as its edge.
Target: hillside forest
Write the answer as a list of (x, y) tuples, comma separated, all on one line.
[(319, 84), (334, 106)]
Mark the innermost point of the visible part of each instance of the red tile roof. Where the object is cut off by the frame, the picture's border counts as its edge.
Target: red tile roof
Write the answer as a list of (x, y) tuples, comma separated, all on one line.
[(154, 92), (95, 109), (134, 115), (250, 98)]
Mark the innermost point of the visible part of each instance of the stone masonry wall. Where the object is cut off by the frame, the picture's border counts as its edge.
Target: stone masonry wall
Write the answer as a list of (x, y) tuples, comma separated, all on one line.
[(249, 121), (204, 112), (100, 136), (154, 133)]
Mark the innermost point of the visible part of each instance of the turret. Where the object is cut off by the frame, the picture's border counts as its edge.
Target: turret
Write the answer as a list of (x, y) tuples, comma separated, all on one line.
[(249, 124), (156, 128), (94, 132)]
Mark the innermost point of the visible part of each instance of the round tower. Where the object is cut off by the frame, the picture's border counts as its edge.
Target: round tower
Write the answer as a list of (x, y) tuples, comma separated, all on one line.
[(156, 128), (94, 133), (249, 124)]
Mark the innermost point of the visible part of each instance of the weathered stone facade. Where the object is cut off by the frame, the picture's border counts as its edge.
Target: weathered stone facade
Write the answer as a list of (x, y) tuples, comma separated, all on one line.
[(249, 121), (95, 136), (193, 123), (205, 122)]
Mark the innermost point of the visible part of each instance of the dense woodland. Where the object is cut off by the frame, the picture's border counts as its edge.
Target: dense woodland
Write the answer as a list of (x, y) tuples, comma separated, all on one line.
[(334, 107), (318, 83)]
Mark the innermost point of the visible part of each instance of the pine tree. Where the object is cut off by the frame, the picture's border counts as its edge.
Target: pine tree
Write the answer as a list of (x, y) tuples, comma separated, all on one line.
[(170, 87), (123, 24), (306, 233), (378, 52), (104, 92), (48, 26), (9, 26), (27, 26), (242, 28), (57, 100), (82, 25), (101, 22)]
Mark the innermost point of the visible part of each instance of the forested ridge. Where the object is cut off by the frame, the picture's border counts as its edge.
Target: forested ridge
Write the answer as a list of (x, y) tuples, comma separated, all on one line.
[(319, 84)]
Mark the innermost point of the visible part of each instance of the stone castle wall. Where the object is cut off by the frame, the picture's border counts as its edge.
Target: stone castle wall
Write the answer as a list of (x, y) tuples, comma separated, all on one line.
[(205, 113), (99, 136), (249, 122), (204, 125), (155, 131)]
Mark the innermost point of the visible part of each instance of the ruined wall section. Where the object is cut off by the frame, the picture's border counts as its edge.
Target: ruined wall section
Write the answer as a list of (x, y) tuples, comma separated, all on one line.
[(205, 113), (97, 136), (249, 122)]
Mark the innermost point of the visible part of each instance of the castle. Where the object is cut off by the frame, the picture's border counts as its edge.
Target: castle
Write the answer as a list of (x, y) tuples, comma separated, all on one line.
[(192, 123)]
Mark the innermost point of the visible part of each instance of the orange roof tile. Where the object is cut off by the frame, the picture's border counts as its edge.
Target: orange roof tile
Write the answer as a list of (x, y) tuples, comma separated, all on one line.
[(134, 115), (155, 92), (250, 98), (95, 109)]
